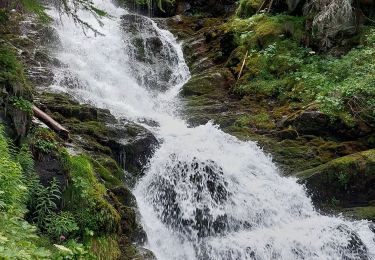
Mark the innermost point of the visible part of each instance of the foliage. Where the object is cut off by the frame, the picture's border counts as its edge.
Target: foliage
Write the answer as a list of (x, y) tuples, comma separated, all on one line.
[(61, 224), (18, 239), (73, 250), (342, 87), (22, 104), (85, 197), (282, 69), (36, 7), (158, 2), (12, 76), (44, 141), (12, 190), (44, 202)]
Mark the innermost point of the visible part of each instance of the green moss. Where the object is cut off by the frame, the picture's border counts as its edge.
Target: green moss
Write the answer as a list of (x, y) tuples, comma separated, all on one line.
[(248, 8), (198, 85), (348, 179), (361, 213), (105, 247), (362, 164), (85, 197), (12, 75), (261, 121), (109, 171)]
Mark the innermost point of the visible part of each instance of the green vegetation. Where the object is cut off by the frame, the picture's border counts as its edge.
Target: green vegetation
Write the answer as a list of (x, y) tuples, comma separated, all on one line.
[(279, 67), (85, 198), (159, 3), (12, 75), (18, 238), (43, 141), (248, 8), (35, 6), (22, 104)]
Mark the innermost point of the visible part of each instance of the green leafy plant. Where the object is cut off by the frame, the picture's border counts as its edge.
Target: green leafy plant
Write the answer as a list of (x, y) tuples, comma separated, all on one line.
[(44, 202), (73, 250), (18, 239), (43, 141), (61, 224), (22, 104)]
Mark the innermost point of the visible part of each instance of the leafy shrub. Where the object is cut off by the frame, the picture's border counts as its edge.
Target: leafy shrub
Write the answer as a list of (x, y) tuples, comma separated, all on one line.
[(61, 224), (36, 7), (341, 87), (43, 141), (73, 250), (12, 75), (12, 190), (18, 238), (22, 104), (44, 202)]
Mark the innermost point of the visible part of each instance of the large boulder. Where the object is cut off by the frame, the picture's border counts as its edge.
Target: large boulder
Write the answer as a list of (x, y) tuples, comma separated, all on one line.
[(172, 196), (348, 181), (314, 122), (97, 130)]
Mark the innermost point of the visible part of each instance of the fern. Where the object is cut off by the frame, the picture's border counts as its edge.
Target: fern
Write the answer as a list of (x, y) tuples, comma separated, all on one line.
[(45, 201)]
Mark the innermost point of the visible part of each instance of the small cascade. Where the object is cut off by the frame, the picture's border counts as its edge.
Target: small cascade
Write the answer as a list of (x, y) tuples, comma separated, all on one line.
[(205, 194)]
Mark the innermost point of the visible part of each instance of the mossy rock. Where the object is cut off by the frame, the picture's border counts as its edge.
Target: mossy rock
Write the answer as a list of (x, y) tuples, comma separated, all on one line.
[(349, 179), (208, 82), (361, 213), (248, 8)]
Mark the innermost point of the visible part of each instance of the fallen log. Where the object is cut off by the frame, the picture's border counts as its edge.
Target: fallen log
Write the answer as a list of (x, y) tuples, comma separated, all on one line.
[(51, 123)]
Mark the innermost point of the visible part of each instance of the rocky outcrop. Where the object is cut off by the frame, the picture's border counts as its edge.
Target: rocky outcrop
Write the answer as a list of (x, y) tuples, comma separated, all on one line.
[(314, 122), (97, 131), (349, 180)]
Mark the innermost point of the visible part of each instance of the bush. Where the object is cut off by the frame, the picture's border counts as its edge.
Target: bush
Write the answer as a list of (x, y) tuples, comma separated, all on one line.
[(44, 202), (18, 238), (43, 141), (61, 225)]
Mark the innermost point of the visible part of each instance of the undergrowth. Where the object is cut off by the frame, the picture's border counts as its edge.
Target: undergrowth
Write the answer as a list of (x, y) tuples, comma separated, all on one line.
[(279, 67)]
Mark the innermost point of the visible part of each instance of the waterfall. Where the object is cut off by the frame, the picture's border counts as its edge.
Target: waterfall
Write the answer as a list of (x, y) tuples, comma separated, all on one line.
[(205, 195)]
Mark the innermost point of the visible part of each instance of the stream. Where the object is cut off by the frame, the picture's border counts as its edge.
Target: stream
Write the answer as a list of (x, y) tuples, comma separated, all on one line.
[(205, 194)]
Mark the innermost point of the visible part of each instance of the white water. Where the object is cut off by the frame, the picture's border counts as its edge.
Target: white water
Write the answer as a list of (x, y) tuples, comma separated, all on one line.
[(205, 195)]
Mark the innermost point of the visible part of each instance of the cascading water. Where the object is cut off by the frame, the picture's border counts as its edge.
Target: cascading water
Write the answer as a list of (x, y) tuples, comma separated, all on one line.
[(205, 195)]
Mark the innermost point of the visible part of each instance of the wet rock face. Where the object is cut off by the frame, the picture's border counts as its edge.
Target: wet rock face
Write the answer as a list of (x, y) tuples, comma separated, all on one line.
[(35, 41), (153, 59), (196, 214)]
